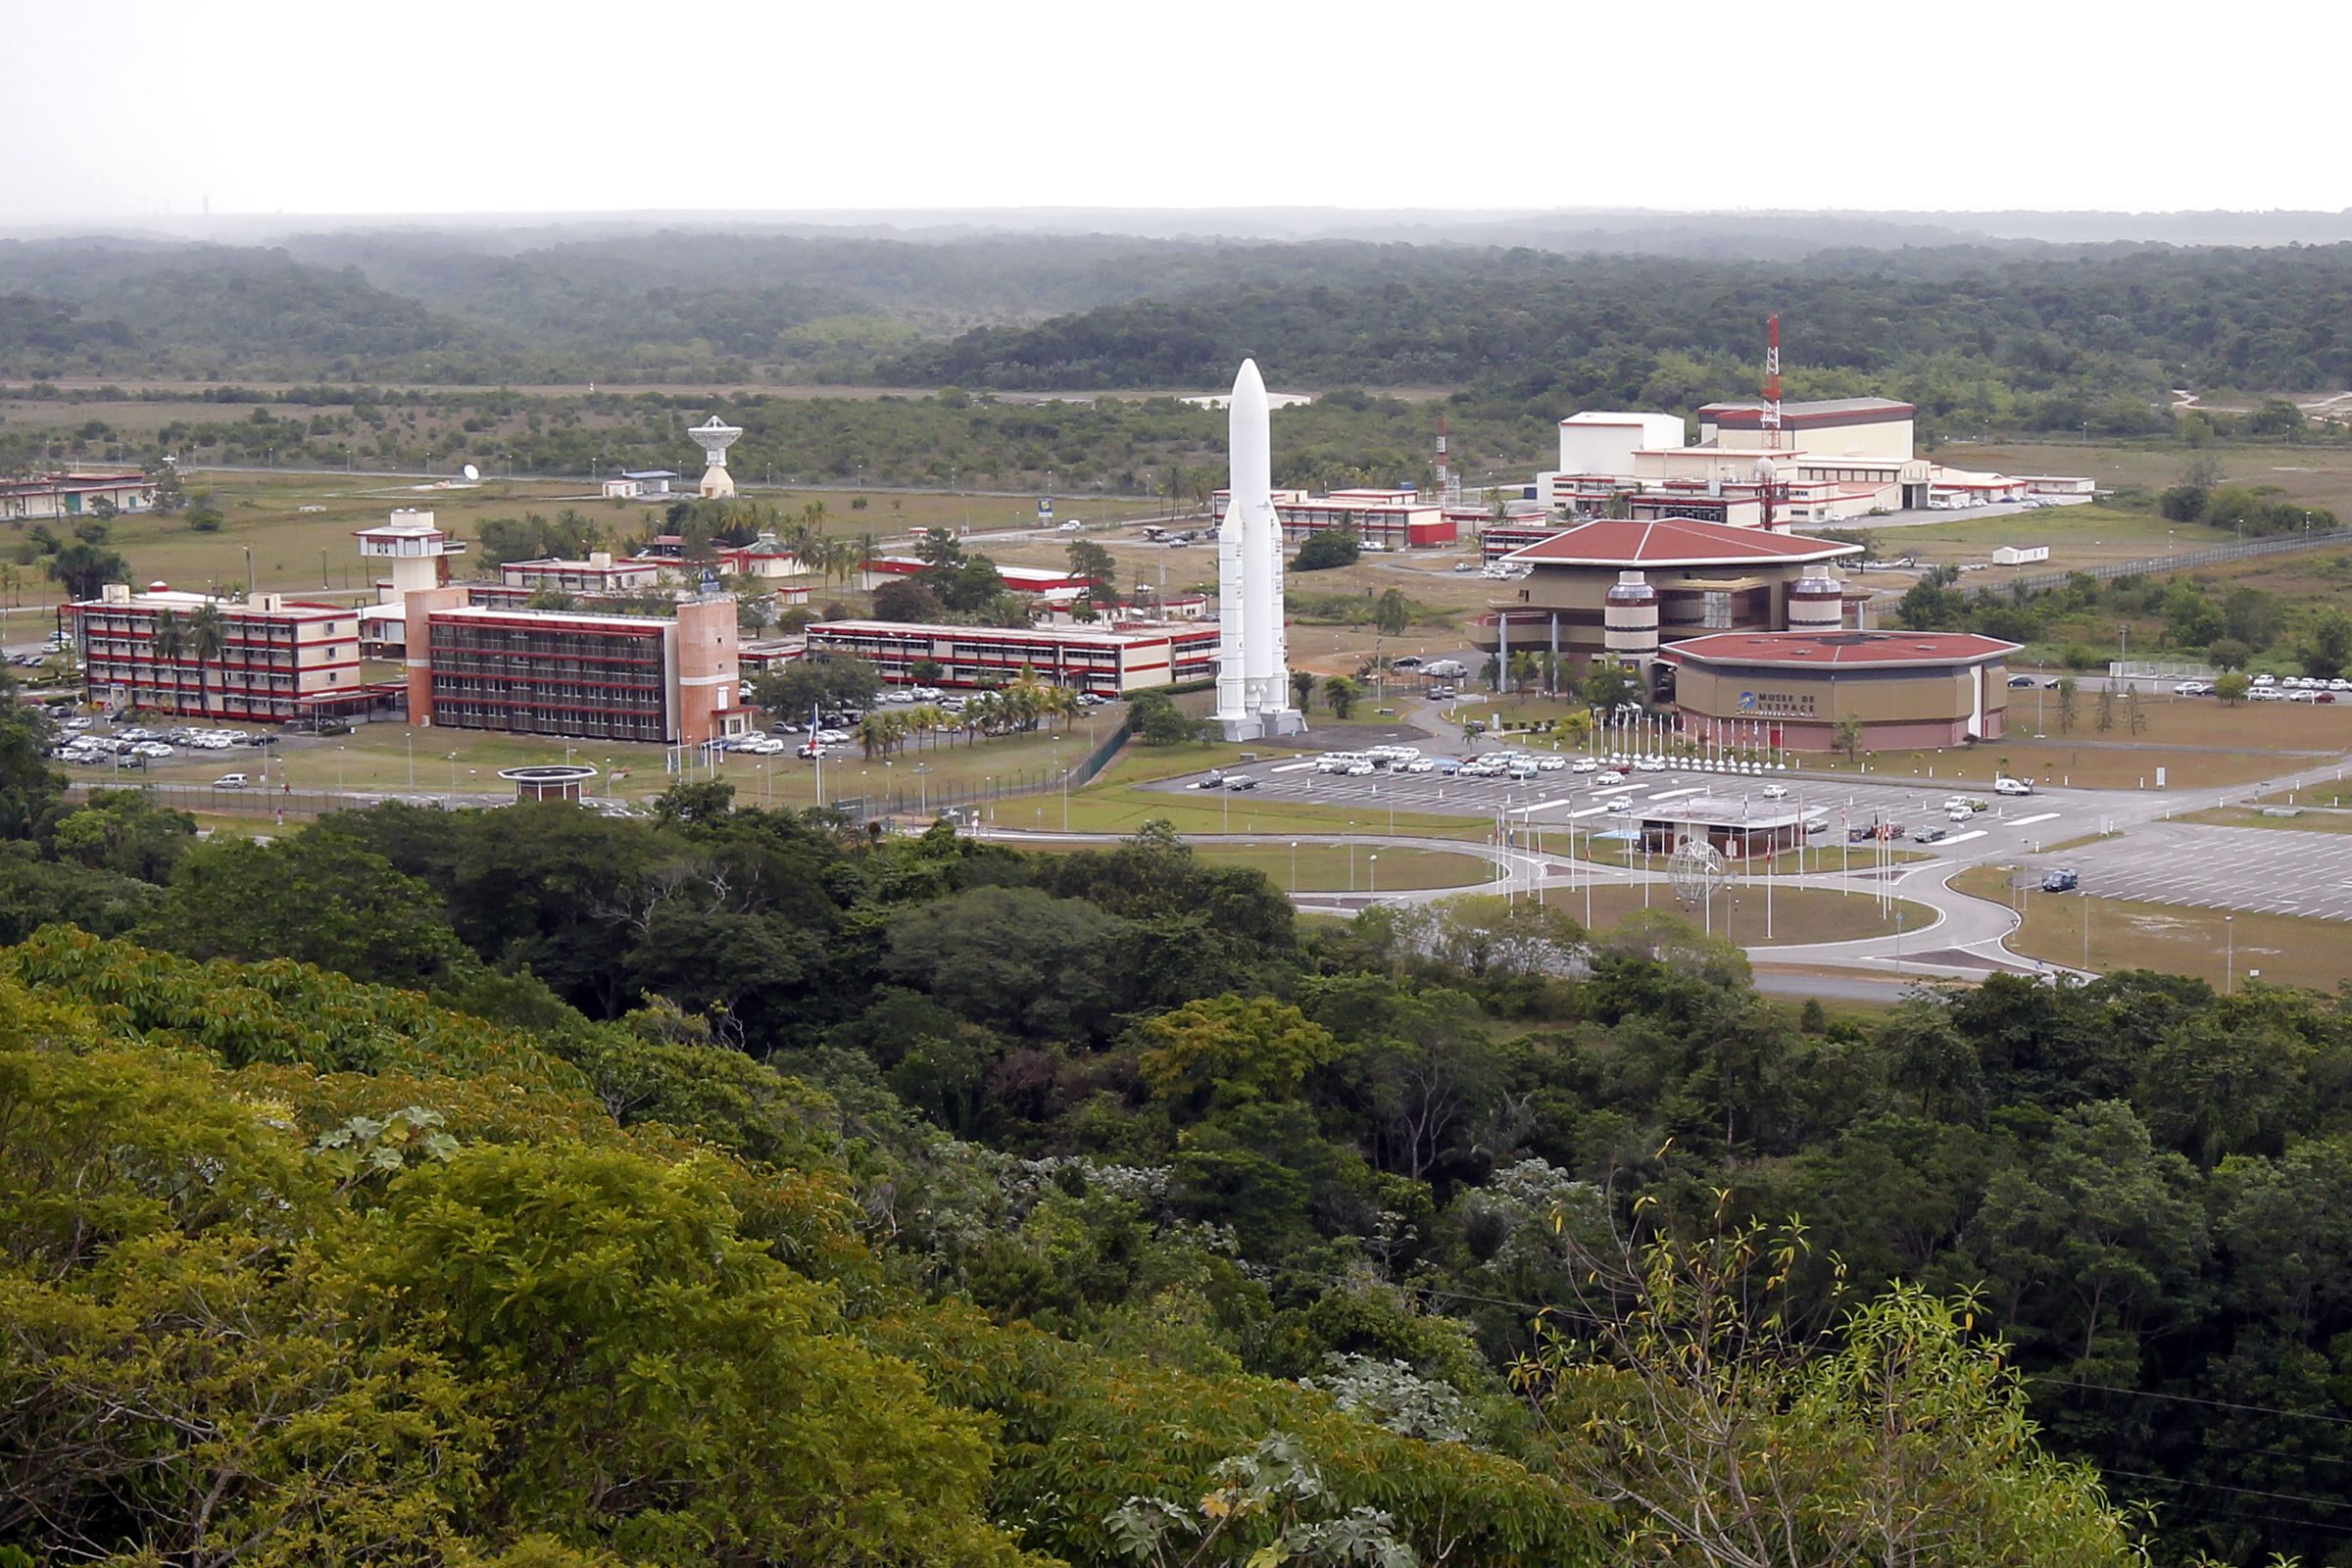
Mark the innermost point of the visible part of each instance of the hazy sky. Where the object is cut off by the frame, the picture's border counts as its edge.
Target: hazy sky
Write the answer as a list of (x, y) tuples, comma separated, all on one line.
[(138, 107)]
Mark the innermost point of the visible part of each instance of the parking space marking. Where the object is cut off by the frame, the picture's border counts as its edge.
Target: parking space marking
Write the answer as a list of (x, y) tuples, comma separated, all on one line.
[(2029, 821), (1292, 767), (1963, 838)]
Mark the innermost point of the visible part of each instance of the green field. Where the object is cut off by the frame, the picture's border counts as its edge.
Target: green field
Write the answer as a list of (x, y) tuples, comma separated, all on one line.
[(377, 759), (1331, 867), (2130, 934), (1796, 915), (298, 527)]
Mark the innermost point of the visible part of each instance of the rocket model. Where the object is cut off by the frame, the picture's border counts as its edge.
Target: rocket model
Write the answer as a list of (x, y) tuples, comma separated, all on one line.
[(1253, 680)]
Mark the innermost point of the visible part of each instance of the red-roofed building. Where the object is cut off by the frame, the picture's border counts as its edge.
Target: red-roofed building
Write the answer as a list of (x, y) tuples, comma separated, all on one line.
[(1907, 689), (1578, 597)]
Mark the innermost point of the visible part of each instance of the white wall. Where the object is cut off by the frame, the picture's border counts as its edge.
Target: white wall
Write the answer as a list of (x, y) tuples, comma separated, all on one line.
[(1600, 442)]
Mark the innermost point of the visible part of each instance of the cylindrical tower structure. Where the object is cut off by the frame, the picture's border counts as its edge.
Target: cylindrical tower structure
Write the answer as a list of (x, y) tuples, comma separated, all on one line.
[(1816, 603), (1629, 620)]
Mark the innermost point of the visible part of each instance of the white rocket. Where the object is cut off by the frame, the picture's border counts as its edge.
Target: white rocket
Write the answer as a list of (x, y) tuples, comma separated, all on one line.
[(1252, 672)]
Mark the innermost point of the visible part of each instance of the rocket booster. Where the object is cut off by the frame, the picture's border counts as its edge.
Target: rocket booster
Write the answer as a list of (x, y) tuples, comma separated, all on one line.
[(1251, 442), (1234, 565)]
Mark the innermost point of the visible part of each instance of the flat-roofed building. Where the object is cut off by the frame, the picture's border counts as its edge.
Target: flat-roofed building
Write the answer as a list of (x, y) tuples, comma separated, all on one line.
[(1393, 519), (75, 493), (602, 574), (659, 678), (281, 658), (1109, 662), (1791, 690)]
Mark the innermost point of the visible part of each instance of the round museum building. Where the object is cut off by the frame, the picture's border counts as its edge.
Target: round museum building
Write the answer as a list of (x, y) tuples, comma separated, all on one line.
[(1792, 689)]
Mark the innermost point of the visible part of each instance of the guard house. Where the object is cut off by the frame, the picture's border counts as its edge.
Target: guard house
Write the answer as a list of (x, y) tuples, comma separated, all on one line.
[(1739, 828)]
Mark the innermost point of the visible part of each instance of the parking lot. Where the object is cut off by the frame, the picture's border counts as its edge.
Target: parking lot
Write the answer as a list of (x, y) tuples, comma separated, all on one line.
[(1555, 798), (2271, 870)]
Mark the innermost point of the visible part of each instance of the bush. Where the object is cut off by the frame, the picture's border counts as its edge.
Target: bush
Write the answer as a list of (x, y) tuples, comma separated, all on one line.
[(1336, 547)]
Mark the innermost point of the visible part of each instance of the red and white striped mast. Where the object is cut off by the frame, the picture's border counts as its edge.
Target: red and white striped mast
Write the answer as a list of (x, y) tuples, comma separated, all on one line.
[(1771, 380)]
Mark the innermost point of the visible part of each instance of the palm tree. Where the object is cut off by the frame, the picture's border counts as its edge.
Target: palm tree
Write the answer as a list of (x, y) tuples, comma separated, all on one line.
[(170, 647), (208, 639), (1341, 692), (1303, 688)]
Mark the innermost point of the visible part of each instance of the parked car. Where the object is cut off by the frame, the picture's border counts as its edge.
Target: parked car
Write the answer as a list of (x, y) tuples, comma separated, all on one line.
[(1651, 765), (1623, 803), (1775, 792), (1240, 781), (2010, 786), (2025, 681), (1612, 776), (1584, 765), (1933, 835), (1552, 764), (230, 781), (2061, 882)]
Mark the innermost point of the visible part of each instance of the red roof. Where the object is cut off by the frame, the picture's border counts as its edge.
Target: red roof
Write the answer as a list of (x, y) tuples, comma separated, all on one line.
[(1839, 650), (1676, 542)]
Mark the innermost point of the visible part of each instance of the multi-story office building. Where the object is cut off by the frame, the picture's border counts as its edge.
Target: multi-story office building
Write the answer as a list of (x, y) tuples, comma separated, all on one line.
[(1109, 662), (668, 678), (281, 658)]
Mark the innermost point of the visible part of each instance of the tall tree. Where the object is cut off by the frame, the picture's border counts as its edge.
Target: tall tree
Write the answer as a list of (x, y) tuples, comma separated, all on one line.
[(207, 640)]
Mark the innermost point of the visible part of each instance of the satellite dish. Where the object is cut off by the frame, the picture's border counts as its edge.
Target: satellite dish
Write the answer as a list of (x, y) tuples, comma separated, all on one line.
[(473, 472)]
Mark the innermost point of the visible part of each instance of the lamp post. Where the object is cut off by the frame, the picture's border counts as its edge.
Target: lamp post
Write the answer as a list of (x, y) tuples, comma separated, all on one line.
[(2229, 938), (248, 549), (1372, 872), (408, 740), (338, 767), (1351, 856), (1294, 868), (922, 798), (452, 779)]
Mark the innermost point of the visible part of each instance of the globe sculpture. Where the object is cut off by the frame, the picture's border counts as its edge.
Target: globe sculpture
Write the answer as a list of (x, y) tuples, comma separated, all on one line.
[(1696, 872)]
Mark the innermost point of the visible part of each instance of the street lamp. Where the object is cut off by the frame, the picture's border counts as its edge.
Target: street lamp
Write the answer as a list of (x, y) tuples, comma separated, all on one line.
[(2230, 937), (1372, 872), (1294, 868)]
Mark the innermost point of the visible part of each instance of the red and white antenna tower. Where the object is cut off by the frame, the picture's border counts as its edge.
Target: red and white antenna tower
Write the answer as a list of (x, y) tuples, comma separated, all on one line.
[(1771, 380), (1449, 487)]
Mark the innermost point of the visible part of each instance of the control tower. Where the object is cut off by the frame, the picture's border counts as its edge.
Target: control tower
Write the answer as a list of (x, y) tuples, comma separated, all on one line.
[(714, 436), (417, 550)]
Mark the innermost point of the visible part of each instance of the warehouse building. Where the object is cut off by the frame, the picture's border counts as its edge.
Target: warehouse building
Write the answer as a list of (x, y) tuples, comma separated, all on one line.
[(1791, 690), (1107, 661), (75, 493)]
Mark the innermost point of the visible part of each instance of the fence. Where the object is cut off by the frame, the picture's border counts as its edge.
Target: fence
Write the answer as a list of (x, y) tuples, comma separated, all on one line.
[(291, 805), (2212, 555), (863, 804)]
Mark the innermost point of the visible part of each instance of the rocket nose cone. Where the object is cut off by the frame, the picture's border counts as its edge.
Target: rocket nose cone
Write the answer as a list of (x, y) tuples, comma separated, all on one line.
[(1248, 383)]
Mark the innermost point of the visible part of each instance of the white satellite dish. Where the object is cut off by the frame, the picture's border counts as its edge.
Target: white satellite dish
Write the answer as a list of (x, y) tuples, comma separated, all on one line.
[(473, 472)]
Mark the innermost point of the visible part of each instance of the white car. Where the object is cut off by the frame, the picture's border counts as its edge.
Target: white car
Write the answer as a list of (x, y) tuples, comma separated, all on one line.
[(1584, 765), (229, 781), (81, 723), (1071, 527), (1552, 764), (1775, 792), (1612, 776), (1651, 765), (1362, 769), (1421, 765), (2266, 680), (1623, 803), (2010, 786), (1958, 813)]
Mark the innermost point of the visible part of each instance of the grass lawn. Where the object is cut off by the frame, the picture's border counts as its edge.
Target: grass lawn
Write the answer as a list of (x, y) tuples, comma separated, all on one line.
[(2128, 934), (1326, 867), (1796, 915), (2308, 475), (310, 551), (1115, 804), (2200, 742), (375, 757), (2089, 536)]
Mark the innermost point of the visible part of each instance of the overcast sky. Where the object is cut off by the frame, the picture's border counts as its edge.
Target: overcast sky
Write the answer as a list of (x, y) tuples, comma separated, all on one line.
[(139, 107)]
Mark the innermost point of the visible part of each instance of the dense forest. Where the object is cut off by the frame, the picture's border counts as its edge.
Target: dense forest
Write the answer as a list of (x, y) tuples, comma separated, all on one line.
[(536, 1188), (1983, 337)]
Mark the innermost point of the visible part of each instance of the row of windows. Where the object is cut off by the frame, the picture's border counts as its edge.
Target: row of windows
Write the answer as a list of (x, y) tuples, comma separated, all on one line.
[(565, 692), (553, 722)]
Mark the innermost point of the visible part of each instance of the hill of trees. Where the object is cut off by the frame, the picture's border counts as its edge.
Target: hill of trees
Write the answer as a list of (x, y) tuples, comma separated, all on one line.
[(530, 1186), (2007, 337)]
